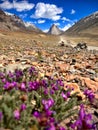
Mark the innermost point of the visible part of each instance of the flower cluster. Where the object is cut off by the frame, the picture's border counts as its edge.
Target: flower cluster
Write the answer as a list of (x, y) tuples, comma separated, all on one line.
[(84, 121), (27, 101)]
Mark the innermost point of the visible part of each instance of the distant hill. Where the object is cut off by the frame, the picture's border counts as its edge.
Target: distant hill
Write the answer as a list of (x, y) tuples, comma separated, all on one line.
[(12, 22), (86, 27), (54, 30)]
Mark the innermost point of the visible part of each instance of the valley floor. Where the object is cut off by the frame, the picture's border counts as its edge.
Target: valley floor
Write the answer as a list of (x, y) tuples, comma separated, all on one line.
[(78, 68)]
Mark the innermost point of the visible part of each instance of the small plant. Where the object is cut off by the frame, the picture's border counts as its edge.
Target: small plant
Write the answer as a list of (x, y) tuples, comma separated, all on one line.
[(42, 104)]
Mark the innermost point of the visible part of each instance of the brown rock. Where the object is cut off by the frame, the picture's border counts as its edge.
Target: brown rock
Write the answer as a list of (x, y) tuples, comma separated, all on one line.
[(34, 63), (76, 89), (77, 66), (93, 85), (62, 66), (96, 96), (96, 79), (48, 74)]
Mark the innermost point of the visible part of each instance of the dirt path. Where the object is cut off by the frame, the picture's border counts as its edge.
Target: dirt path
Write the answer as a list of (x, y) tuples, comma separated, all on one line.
[(92, 48), (64, 39)]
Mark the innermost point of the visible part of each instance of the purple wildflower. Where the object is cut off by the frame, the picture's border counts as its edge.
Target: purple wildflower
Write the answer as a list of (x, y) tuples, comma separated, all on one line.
[(60, 82), (64, 96), (49, 113), (47, 103), (22, 107), (6, 86), (52, 120), (52, 91), (82, 112), (67, 87), (11, 75), (45, 91), (89, 94), (9, 86), (44, 83), (17, 114), (33, 85), (4, 80), (62, 128), (2, 75), (41, 117), (18, 73), (72, 89), (36, 114), (1, 116), (77, 123), (31, 70), (55, 87), (23, 87), (51, 127), (68, 94), (14, 84), (45, 118), (84, 122)]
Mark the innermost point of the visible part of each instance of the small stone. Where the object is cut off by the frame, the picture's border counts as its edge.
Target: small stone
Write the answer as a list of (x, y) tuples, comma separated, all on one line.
[(1, 65), (41, 74), (90, 71)]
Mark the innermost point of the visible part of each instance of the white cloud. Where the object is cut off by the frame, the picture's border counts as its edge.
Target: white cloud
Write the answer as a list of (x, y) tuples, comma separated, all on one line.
[(19, 6), (6, 5), (73, 11), (22, 5), (23, 15), (31, 22), (66, 27), (66, 19), (49, 11), (41, 21), (57, 24)]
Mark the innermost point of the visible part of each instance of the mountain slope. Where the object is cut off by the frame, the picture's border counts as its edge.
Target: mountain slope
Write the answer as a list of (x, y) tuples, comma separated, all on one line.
[(87, 26), (14, 23), (54, 30)]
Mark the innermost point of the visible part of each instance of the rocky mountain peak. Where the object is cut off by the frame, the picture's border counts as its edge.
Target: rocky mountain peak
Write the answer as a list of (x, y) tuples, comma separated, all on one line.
[(54, 30), (13, 22), (54, 26), (87, 26)]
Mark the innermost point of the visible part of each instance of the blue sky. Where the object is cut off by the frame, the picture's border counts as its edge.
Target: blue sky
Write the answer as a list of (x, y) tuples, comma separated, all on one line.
[(44, 13)]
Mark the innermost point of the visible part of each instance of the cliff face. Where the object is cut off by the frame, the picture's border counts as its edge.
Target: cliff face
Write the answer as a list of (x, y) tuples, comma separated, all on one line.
[(85, 27), (13, 22)]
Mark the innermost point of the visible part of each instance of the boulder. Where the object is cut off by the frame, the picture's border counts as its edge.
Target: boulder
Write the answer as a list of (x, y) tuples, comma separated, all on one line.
[(80, 46)]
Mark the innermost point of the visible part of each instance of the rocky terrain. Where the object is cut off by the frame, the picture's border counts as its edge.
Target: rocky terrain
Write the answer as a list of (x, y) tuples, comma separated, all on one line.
[(75, 63), (65, 61), (86, 29), (76, 66), (11, 22), (87, 26)]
